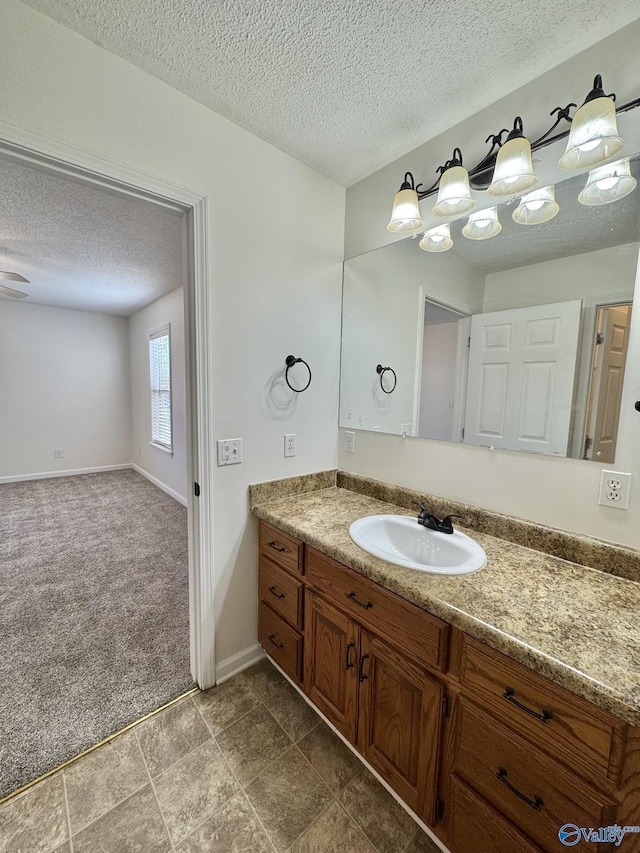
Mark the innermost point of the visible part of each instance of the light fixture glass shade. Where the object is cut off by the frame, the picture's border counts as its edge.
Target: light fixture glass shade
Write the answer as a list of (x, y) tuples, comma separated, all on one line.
[(483, 224), (608, 183), (437, 239), (454, 194), (514, 169), (593, 138), (405, 215), (536, 207)]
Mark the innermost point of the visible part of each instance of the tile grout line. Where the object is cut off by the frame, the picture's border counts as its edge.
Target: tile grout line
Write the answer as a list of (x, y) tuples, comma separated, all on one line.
[(241, 789), (313, 823), (66, 808), (164, 822)]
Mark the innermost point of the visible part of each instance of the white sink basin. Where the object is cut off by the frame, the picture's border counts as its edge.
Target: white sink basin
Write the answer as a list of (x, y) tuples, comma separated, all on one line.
[(402, 541)]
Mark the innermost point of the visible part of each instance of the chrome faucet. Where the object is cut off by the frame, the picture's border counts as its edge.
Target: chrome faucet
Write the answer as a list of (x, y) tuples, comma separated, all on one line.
[(427, 519)]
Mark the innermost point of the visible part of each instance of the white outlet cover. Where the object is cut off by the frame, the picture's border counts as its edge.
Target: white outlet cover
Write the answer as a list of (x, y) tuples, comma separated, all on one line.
[(290, 444), (349, 441), (614, 489)]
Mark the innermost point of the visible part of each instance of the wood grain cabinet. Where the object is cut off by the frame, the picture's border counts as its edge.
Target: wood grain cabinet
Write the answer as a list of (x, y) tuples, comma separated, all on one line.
[(493, 756)]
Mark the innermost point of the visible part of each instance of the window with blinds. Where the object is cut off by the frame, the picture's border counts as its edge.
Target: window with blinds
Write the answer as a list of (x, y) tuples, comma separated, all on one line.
[(160, 375)]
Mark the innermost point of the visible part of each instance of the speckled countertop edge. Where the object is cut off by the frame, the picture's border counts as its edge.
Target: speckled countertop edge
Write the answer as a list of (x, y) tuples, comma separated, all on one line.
[(573, 624)]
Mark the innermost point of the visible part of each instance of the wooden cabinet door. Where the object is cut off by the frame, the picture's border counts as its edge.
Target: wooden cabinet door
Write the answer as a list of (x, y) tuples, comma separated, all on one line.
[(331, 664), (400, 717)]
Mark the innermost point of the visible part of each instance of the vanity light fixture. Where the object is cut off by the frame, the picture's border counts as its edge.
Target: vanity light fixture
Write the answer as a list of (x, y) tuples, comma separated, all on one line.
[(454, 194), (405, 216), (514, 168), (536, 207), (437, 239), (507, 169), (593, 138), (482, 224), (608, 183)]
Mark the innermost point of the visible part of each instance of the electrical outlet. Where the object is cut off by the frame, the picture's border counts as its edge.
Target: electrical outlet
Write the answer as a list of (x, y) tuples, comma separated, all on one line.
[(349, 441), (58, 453), (405, 429), (290, 444), (614, 489), (229, 451)]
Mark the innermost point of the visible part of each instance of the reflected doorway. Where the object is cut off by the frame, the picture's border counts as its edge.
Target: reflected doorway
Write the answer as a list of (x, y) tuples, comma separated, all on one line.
[(607, 371), (443, 372)]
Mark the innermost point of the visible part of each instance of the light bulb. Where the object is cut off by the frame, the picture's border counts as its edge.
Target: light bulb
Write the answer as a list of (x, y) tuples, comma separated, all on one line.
[(405, 215), (482, 225), (454, 194), (513, 171), (608, 183), (593, 137), (536, 207), (437, 239)]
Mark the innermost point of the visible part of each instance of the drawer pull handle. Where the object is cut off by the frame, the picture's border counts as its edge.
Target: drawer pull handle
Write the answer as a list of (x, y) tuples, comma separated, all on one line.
[(353, 597), (349, 663), (272, 590), (275, 547), (272, 638), (361, 674), (537, 803), (509, 695)]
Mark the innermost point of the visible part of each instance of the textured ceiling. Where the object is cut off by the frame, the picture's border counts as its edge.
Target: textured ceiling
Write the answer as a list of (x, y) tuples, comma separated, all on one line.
[(83, 247), (346, 86)]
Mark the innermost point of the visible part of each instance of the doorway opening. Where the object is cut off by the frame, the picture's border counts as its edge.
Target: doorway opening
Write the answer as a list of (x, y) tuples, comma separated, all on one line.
[(610, 346), (82, 169), (442, 372)]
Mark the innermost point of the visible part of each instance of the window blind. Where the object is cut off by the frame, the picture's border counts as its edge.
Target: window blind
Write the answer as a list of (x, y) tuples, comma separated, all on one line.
[(160, 368)]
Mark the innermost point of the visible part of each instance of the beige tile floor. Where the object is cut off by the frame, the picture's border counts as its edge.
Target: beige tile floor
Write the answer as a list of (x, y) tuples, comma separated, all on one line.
[(246, 767)]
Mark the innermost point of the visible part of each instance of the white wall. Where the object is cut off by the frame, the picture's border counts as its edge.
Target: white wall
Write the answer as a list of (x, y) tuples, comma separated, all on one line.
[(167, 469), (590, 276), (559, 492), (275, 283), (382, 320), (64, 383)]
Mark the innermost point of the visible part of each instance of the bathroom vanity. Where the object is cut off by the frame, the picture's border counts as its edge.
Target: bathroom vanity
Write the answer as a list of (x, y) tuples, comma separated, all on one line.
[(499, 706)]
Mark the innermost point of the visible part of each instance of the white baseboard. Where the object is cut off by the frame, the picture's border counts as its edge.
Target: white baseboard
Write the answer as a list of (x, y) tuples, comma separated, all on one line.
[(371, 769), (159, 484), (236, 663), (72, 472)]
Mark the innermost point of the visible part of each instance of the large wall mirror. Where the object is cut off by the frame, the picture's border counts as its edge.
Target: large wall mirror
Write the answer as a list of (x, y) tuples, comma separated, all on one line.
[(515, 342)]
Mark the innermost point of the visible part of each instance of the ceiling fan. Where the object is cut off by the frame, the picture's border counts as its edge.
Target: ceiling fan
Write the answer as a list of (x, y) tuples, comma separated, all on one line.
[(9, 291)]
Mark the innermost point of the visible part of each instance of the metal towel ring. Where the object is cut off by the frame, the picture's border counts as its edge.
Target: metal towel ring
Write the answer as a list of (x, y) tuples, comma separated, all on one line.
[(382, 370), (290, 361)]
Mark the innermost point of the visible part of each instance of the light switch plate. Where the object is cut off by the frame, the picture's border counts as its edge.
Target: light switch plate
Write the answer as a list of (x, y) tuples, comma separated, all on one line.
[(229, 451)]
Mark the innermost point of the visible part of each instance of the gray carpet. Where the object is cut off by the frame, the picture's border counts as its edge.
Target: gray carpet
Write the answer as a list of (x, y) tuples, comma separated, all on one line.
[(94, 614)]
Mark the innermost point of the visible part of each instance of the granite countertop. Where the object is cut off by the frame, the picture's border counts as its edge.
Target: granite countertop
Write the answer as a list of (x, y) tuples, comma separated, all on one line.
[(577, 626)]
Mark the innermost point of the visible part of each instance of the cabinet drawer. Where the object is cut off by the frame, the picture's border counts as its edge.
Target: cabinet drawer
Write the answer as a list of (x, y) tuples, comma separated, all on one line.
[(528, 788), (403, 624), (473, 826), (281, 591), (559, 722), (280, 641), (281, 548)]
